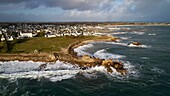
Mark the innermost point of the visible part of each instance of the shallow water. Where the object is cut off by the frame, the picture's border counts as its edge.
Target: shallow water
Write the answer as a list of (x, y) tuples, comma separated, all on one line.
[(148, 70)]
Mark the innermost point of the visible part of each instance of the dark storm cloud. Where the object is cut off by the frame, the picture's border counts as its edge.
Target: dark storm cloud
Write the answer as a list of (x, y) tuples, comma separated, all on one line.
[(153, 9), (64, 4), (12, 1), (140, 5), (142, 10), (18, 17)]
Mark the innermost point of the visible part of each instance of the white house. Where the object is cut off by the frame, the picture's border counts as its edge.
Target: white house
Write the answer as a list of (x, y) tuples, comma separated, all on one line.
[(26, 35), (49, 35), (2, 38), (8, 38)]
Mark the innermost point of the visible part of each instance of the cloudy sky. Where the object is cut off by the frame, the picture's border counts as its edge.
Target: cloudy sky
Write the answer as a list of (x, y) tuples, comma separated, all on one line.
[(84, 10)]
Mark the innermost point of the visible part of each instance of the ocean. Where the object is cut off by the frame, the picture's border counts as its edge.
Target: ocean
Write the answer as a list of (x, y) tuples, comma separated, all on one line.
[(148, 69)]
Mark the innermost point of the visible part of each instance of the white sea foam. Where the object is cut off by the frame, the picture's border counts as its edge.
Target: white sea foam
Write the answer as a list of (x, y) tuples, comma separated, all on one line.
[(81, 49), (119, 33), (133, 32), (152, 34), (139, 33), (92, 72), (103, 54), (125, 38), (130, 67), (54, 72), (157, 70), (15, 66), (145, 58), (142, 46), (125, 44)]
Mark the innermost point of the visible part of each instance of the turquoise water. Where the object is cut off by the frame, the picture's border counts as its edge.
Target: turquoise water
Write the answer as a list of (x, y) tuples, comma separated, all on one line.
[(148, 67)]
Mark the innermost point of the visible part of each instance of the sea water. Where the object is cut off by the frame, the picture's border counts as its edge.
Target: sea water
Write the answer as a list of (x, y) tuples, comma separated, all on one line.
[(148, 69)]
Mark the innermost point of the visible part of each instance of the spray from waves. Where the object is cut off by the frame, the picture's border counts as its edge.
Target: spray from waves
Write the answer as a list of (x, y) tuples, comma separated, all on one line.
[(152, 34), (54, 72), (138, 33), (103, 54), (15, 66), (131, 71), (125, 38), (125, 44), (141, 46), (133, 32), (81, 50), (119, 33)]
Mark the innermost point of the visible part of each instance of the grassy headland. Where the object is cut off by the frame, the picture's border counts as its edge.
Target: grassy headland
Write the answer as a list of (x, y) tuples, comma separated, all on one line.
[(42, 44), (60, 48)]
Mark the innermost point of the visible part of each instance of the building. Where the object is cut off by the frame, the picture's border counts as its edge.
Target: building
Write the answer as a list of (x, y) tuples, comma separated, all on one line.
[(25, 35)]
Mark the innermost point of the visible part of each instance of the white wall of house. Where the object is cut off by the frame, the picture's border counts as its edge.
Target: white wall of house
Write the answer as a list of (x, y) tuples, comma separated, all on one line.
[(2, 38), (38, 31), (30, 35), (50, 35), (10, 38)]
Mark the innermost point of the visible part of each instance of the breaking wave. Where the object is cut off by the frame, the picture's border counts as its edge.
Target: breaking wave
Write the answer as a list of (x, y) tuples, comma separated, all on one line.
[(138, 33), (54, 72), (119, 33), (81, 49), (142, 46), (152, 34), (125, 44), (103, 54), (125, 38), (133, 32)]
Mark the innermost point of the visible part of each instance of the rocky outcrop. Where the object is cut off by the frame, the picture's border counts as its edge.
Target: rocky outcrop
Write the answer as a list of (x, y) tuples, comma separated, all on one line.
[(136, 43), (42, 66), (87, 61), (115, 64)]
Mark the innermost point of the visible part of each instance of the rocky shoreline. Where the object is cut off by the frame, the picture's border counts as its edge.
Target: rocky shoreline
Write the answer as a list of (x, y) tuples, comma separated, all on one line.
[(70, 56)]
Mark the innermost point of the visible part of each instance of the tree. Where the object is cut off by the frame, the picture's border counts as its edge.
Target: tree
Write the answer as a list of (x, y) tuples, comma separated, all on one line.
[(5, 44), (0, 37), (41, 34)]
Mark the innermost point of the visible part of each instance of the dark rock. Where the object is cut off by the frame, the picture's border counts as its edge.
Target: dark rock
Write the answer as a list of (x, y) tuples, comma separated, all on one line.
[(122, 71), (42, 66), (109, 70), (136, 43)]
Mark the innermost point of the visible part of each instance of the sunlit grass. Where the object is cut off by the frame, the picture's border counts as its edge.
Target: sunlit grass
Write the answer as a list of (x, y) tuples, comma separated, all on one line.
[(43, 44)]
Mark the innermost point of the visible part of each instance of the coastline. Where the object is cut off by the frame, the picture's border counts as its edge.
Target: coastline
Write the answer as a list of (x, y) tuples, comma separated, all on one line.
[(51, 57), (68, 55)]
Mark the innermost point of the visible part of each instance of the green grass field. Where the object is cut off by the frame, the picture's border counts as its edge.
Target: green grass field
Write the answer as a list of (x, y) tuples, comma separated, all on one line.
[(43, 44)]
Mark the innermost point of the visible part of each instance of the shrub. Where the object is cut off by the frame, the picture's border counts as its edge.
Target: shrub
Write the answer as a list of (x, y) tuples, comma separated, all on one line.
[(41, 34)]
